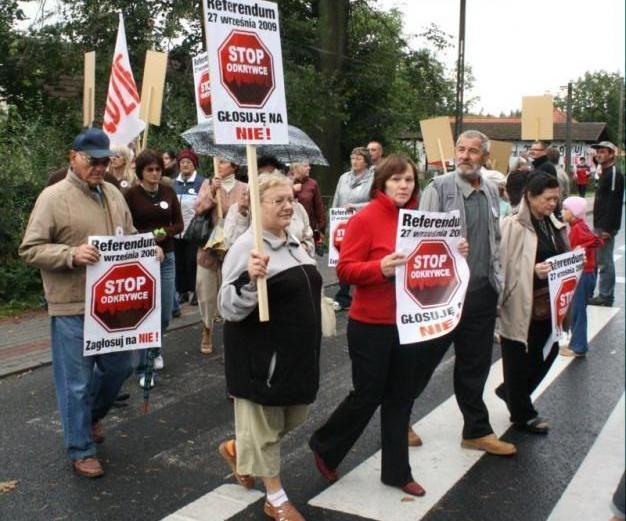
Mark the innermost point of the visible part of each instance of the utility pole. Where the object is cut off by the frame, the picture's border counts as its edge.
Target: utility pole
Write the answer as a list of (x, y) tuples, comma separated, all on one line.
[(460, 74), (620, 121), (568, 131)]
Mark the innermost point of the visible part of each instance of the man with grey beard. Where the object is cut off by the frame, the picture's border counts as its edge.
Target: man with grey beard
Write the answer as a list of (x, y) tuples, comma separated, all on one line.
[(477, 200)]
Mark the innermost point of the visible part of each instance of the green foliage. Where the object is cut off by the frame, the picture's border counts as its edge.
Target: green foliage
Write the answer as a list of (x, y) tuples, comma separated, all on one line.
[(30, 149), (595, 97)]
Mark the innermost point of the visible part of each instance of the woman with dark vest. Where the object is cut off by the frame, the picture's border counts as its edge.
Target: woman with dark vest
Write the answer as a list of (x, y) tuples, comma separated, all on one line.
[(272, 368), (155, 209), (187, 187)]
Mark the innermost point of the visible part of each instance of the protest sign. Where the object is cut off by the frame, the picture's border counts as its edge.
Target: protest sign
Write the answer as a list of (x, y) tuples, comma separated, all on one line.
[(562, 281), (499, 154), (336, 232), (431, 285), (202, 86), (89, 88), (152, 86), (438, 141), (537, 117), (246, 65), (123, 295), (121, 114)]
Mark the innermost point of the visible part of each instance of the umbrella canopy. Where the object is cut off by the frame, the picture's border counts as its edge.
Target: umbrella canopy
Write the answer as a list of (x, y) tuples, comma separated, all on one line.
[(301, 147)]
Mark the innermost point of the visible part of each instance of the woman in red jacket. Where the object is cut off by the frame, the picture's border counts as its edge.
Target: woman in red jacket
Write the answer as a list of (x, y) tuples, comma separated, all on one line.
[(383, 372)]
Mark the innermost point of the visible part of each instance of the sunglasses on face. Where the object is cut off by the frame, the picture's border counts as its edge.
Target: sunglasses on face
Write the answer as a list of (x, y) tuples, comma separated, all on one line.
[(95, 161)]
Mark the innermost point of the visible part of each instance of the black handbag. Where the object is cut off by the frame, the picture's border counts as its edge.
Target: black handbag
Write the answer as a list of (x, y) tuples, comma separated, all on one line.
[(199, 230)]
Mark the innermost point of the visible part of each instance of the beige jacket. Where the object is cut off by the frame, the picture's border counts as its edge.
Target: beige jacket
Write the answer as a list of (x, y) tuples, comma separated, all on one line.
[(65, 214), (518, 250)]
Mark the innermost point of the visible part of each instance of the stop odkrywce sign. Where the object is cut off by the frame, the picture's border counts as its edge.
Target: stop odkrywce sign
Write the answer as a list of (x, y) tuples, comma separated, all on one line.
[(123, 297)]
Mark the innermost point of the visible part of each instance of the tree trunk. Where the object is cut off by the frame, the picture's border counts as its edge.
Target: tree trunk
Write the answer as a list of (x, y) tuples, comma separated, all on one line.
[(333, 36)]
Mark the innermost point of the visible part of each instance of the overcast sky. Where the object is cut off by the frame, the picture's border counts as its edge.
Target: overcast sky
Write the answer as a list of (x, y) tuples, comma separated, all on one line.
[(524, 48)]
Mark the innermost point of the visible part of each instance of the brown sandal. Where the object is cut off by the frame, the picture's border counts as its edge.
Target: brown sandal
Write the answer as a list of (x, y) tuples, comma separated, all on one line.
[(228, 451)]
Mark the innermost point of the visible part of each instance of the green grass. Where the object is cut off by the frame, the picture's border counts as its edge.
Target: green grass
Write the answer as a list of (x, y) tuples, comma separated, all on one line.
[(16, 308)]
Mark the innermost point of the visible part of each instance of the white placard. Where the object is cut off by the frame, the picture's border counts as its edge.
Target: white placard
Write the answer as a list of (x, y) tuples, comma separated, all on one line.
[(562, 281), (246, 68), (431, 285), (338, 222), (202, 86), (123, 295)]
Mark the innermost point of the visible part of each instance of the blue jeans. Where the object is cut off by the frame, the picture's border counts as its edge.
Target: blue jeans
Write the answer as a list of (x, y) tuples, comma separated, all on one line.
[(84, 395), (606, 269), (584, 291), (168, 295)]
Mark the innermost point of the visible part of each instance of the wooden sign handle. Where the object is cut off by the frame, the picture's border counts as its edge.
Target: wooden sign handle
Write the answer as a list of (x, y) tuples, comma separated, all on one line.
[(257, 229), (441, 155), (144, 142), (218, 199)]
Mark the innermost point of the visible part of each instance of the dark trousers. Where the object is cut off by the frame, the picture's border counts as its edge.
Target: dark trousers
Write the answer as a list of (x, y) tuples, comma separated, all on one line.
[(383, 374), (185, 254), (523, 370), (473, 343), (343, 295), (582, 190)]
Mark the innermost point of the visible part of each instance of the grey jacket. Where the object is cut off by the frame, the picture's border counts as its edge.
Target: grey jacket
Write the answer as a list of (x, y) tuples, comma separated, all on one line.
[(445, 193), (236, 303), (353, 189)]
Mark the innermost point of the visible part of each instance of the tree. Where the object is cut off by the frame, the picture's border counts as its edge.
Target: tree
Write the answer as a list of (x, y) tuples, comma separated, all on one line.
[(595, 97)]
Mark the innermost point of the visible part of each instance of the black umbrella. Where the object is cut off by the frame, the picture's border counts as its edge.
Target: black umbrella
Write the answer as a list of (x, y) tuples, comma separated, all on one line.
[(301, 148)]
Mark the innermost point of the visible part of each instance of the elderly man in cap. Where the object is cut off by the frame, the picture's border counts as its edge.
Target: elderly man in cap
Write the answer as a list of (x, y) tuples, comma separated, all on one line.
[(55, 241), (607, 220)]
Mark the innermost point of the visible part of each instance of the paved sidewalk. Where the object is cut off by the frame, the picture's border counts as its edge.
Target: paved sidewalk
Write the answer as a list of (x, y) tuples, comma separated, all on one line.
[(25, 341)]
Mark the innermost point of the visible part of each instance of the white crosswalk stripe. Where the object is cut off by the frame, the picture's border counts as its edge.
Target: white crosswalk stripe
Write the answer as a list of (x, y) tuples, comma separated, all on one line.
[(588, 494)]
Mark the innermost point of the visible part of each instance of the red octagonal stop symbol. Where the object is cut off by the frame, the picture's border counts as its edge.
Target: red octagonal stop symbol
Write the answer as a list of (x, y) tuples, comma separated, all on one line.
[(564, 296), (339, 234), (430, 275), (204, 93), (246, 69), (123, 297)]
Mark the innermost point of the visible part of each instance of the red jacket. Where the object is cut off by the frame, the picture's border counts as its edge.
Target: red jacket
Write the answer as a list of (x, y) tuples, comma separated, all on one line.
[(582, 175), (309, 196), (370, 236), (581, 235)]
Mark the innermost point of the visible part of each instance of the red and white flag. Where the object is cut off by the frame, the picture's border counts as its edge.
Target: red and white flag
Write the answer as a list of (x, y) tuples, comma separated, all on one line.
[(121, 114)]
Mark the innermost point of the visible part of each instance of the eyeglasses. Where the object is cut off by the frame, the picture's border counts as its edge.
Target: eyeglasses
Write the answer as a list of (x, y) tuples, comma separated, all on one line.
[(95, 161), (152, 169), (279, 201)]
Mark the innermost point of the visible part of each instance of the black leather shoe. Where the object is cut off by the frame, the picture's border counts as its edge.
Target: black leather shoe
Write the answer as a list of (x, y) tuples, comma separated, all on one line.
[(535, 426)]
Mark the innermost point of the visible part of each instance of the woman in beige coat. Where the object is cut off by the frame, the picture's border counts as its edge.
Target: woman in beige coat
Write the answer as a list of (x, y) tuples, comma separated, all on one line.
[(225, 188), (529, 237)]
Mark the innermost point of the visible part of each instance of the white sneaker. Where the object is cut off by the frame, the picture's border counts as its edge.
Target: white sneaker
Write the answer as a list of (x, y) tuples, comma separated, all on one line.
[(158, 363), (336, 306), (142, 382)]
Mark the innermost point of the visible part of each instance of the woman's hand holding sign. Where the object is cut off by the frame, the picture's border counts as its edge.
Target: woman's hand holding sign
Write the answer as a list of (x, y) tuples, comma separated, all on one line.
[(257, 265), (542, 269), (388, 264)]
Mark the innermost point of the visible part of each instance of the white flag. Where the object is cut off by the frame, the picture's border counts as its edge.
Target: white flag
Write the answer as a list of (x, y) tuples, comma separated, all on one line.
[(121, 114)]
